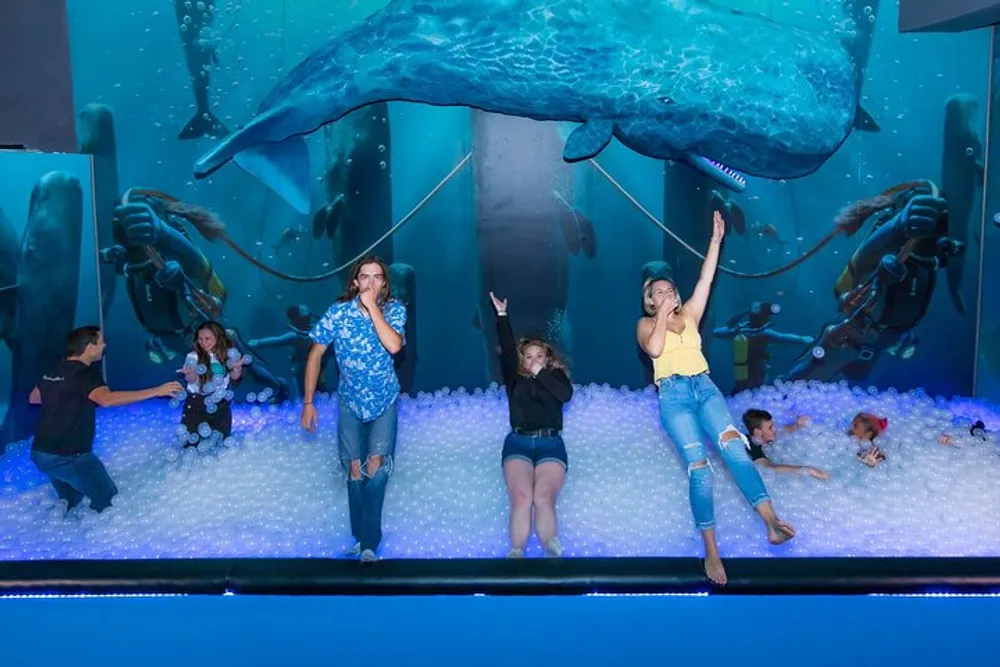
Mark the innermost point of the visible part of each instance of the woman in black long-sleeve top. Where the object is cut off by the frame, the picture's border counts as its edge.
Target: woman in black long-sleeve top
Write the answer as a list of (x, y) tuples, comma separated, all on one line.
[(534, 454)]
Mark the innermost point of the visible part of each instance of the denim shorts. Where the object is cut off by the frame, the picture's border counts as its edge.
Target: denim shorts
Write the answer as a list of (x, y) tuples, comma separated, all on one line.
[(544, 447)]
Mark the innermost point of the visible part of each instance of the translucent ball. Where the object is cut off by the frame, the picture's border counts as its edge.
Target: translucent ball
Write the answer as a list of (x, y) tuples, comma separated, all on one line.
[(204, 430)]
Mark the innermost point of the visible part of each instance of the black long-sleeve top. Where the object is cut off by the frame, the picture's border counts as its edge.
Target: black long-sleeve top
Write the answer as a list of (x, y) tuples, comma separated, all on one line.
[(536, 403)]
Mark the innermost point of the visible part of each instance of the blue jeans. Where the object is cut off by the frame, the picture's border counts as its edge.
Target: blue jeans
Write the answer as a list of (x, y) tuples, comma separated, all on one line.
[(688, 407), (77, 476), (357, 441)]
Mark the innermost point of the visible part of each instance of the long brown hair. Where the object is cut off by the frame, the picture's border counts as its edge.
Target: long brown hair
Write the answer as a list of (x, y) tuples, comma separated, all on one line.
[(352, 290), (208, 224), (221, 350), (852, 216), (552, 360)]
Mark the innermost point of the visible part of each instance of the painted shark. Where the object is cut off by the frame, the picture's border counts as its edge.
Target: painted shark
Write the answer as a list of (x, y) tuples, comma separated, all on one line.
[(728, 92)]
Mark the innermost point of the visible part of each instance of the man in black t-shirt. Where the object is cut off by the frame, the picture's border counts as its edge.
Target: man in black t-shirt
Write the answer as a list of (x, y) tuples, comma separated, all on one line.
[(762, 432), (64, 441)]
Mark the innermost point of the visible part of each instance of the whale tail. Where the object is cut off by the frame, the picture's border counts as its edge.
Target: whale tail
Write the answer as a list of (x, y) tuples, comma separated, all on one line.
[(276, 158), (865, 122)]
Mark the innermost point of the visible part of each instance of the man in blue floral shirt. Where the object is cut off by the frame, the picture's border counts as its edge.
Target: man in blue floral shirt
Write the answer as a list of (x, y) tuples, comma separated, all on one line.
[(365, 327)]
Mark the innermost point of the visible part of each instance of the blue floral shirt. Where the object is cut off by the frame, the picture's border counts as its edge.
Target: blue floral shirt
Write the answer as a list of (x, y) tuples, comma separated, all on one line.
[(368, 382)]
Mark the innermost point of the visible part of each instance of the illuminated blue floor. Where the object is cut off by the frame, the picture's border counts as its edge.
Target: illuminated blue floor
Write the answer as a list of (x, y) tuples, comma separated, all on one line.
[(278, 491)]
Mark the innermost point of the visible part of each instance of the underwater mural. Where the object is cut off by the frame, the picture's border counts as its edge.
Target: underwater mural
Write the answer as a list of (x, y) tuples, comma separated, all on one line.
[(611, 126), (47, 269), (720, 89)]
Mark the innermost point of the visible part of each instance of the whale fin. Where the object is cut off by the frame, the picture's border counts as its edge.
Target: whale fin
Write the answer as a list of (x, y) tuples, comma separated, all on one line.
[(281, 166), (588, 140), (267, 127), (865, 122)]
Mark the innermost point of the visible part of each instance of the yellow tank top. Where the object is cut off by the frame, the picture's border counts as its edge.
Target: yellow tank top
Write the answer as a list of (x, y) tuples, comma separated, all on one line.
[(681, 354)]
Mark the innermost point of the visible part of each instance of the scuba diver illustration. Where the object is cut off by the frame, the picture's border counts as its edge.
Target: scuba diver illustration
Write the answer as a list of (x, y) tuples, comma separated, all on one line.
[(752, 334), (170, 283), (886, 288), (173, 287)]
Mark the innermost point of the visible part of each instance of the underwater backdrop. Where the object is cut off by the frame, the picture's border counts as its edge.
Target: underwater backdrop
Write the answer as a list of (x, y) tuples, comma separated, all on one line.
[(518, 146)]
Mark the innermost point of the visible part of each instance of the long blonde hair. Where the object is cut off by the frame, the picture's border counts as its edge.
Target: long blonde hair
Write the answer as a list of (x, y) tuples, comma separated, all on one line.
[(552, 360)]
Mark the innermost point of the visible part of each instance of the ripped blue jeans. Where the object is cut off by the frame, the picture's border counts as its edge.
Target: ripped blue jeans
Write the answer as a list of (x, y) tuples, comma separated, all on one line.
[(690, 406), (358, 441)]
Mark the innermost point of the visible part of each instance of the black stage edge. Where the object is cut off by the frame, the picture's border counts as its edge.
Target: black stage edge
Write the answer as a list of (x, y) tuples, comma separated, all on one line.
[(569, 576)]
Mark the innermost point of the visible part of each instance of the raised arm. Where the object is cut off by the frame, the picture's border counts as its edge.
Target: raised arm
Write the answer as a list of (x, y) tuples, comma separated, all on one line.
[(695, 306), (505, 336)]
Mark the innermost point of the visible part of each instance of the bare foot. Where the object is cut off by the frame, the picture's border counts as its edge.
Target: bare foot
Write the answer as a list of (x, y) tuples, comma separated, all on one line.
[(779, 532), (714, 570)]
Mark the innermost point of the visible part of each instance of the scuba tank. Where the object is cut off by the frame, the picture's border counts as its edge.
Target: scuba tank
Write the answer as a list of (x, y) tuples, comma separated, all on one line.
[(758, 319), (741, 358)]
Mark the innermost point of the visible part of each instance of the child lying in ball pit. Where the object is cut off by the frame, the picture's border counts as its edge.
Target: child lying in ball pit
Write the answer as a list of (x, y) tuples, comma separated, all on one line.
[(866, 427)]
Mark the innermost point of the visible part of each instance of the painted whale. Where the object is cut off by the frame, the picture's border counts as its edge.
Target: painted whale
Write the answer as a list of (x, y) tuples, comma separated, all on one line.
[(723, 90)]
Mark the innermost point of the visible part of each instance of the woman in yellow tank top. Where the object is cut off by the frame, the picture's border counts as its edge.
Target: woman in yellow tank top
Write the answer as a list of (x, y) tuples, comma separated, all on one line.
[(691, 404)]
